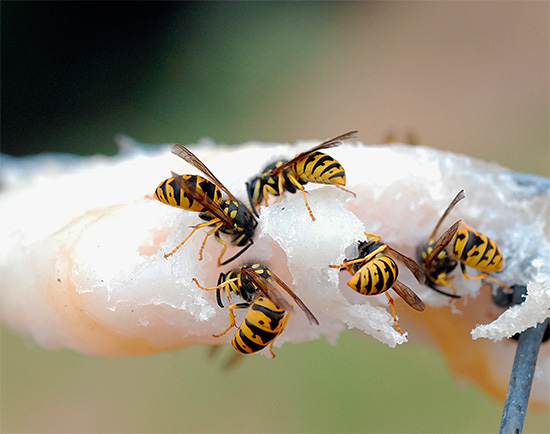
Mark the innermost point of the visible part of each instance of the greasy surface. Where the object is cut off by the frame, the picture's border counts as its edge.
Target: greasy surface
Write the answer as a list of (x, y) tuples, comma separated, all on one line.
[(103, 286)]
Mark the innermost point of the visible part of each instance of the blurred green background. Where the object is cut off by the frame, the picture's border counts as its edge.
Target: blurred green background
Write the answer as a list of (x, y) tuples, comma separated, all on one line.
[(470, 77)]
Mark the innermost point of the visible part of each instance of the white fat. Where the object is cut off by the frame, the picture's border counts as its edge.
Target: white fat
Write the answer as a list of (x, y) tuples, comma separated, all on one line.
[(82, 266)]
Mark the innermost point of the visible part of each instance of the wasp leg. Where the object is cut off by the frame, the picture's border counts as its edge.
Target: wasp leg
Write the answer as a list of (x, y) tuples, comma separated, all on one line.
[(232, 322), (285, 320), (393, 313), (443, 280), (224, 248), (265, 192), (484, 276), (181, 244), (213, 231), (346, 190), (301, 187), (346, 265), (200, 225), (220, 286), (223, 285), (280, 185)]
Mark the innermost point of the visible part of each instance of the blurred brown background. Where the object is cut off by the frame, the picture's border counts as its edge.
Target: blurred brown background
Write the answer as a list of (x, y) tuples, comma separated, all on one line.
[(471, 77)]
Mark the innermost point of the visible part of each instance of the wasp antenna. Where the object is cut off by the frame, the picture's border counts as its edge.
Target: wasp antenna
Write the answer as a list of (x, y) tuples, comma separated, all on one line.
[(250, 200), (448, 294)]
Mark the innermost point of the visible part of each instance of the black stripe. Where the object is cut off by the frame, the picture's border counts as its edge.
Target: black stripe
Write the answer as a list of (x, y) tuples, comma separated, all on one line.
[(238, 347), (252, 346), (474, 240), (160, 192), (330, 167), (359, 289), (266, 311), (368, 282), (265, 335), (392, 273), (338, 175), (177, 192), (274, 316), (321, 160), (311, 159), (485, 255), (380, 284)]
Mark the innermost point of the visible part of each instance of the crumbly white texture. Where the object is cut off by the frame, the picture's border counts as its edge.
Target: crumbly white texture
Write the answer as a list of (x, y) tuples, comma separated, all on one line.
[(82, 263)]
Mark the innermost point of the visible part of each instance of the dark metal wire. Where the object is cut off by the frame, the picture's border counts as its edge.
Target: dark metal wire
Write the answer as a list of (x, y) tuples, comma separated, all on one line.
[(521, 379)]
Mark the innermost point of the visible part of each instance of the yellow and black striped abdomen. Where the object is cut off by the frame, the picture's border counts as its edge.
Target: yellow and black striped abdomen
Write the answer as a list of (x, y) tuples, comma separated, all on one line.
[(170, 193), (262, 323), (320, 168), (375, 277), (477, 251)]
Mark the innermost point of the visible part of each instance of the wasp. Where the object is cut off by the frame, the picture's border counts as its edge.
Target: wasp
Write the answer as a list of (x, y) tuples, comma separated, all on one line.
[(268, 311), (309, 166), (375, 271), (194, 193), (469, 248), (441, 262)]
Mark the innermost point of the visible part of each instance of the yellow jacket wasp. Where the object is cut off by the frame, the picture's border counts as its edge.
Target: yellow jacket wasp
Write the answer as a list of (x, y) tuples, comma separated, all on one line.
[(268, 311), (194, 193), (375, 271), (309, 166), (470, 248)]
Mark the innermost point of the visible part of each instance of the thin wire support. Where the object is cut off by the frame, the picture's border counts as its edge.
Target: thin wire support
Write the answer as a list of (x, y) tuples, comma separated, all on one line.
[(521, 379)]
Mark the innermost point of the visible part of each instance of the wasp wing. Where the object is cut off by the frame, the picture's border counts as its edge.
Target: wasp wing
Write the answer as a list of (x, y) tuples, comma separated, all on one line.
[(416, 269), (458, 198), (192, 159), (274, 295), (408, 295), (266, 288), (442, 242), (191, 190), (336, 141), (297, 299)]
